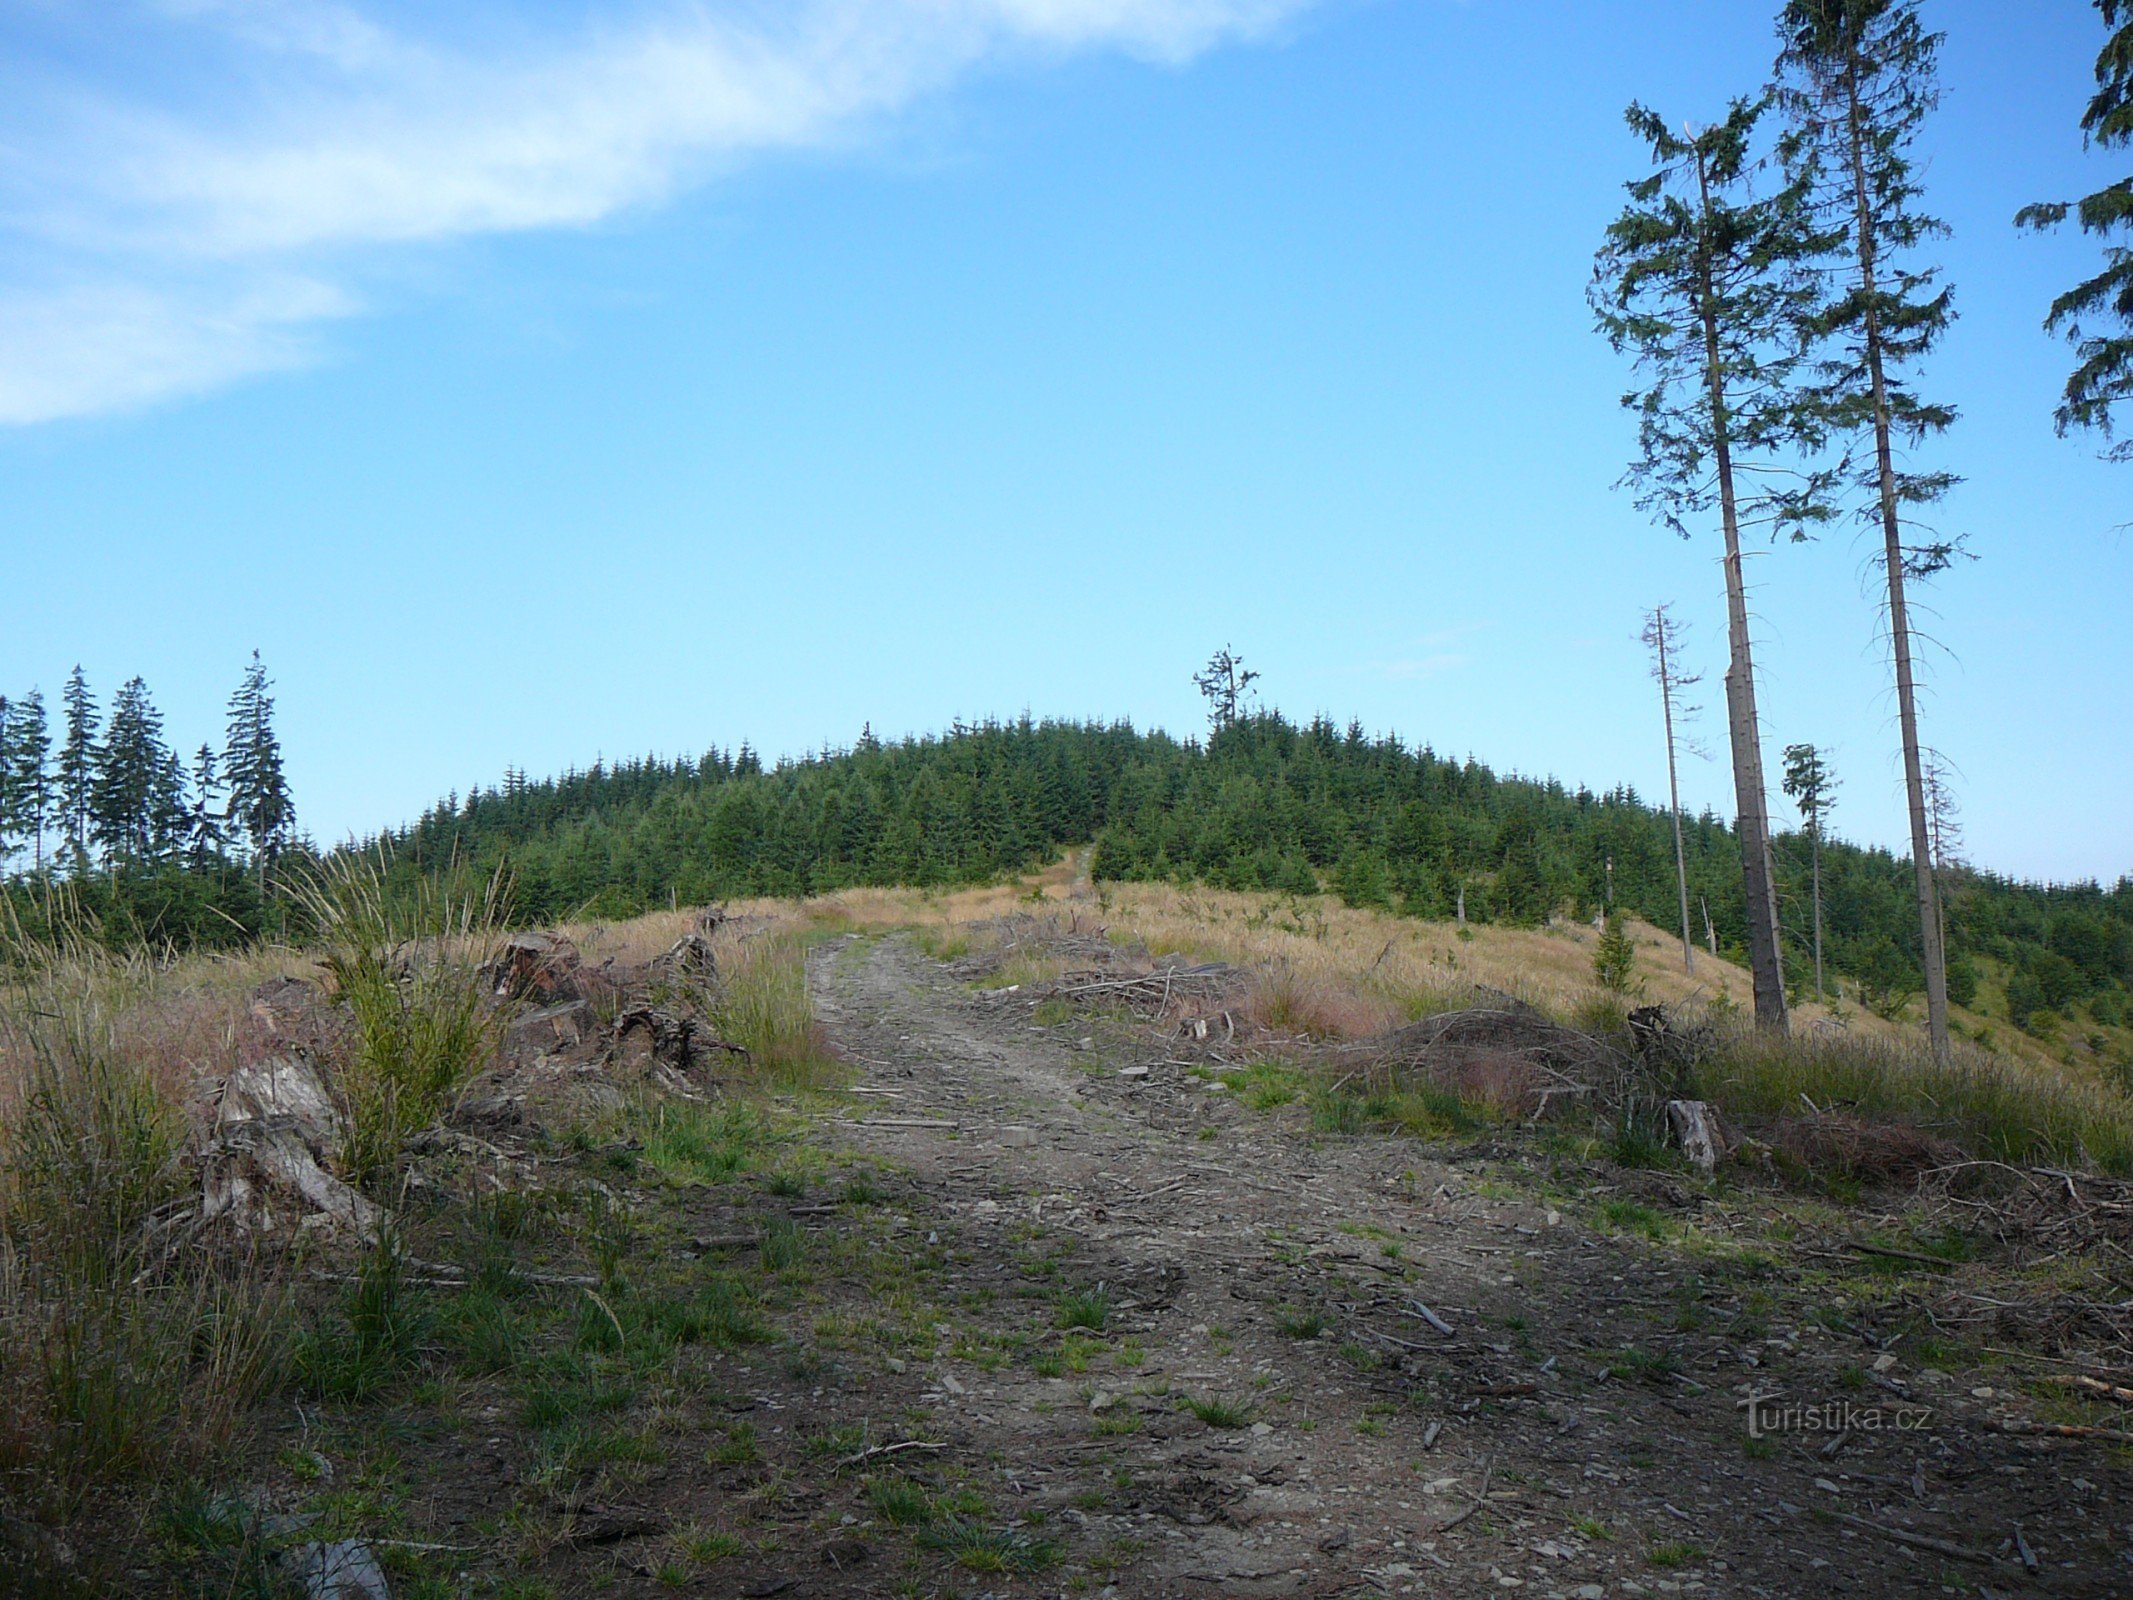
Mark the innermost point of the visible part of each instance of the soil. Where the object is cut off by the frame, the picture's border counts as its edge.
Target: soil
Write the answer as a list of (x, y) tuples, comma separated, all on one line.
[(1268, 1402), (1580, 1432)]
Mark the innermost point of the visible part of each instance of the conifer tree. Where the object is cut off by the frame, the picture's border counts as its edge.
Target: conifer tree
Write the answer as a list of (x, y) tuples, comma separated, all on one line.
[(1813, 790), (206, 836), (10, 827), (75, 771), (28, 776), (1699, 279), (136, 795), (259, 803), (1226, 684), (2096, 315), (1858, 81)]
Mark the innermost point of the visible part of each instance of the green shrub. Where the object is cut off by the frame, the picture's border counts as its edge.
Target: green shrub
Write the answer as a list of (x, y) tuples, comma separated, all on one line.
[(406, 963)]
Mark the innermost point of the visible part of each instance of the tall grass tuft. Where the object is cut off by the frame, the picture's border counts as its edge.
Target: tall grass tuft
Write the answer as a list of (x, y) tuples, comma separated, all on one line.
[(121, 1356), (405, 955), (765, 1006), (1990, 1107)]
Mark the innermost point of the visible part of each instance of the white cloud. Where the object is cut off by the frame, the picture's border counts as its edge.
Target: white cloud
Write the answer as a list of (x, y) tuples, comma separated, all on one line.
[(198, 219), (93, 347)]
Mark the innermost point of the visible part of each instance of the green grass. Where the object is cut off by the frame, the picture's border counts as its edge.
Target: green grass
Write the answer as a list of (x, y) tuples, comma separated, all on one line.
[(781, 1244), (405, 961), (1633, 1216), (977, 1548), (562, 1394), (1085, 1308), (1265, 1085), (900, 1502), (115, 1363), (371, 1339), (691, 1143), (765, 1007), (484, 1332), (1652, 1365), (707, 1545), (860, 1189), (1417, 1112), (1674, 1553), (738, 1448), (1219, 1413), (1299, 1324)]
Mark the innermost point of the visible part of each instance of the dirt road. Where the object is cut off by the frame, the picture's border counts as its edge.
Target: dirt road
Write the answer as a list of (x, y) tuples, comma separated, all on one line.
[(1271, 1404)]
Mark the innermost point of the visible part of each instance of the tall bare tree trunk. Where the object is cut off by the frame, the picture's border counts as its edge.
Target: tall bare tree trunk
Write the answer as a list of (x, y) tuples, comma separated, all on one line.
[(1673, 781), (1765, 960), (1816, 841), (1914, 782)]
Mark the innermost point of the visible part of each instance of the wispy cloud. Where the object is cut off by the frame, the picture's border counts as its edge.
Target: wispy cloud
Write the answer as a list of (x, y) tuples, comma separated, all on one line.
[(1432, 654), (186, 189)]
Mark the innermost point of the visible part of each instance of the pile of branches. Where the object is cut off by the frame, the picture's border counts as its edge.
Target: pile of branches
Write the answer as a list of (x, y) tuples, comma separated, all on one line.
[(1500, 1049), (2076, 1226), (2093, 1322), (1155, 992), (1045, 934)]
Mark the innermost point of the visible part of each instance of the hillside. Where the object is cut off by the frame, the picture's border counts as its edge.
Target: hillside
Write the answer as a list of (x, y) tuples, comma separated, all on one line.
[(1268, 806)]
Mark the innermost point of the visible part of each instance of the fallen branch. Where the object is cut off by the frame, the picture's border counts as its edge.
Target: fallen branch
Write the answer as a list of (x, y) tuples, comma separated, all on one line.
[(1487, 1473), (2065, 1430), (1418, 1309), (2078, 1380), (1917, 1541), (905, 1122), (1866, 1249), (887, 1450)]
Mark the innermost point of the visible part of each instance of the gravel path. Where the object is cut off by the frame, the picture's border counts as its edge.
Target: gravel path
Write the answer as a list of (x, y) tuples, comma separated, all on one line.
[(1578, 1433)]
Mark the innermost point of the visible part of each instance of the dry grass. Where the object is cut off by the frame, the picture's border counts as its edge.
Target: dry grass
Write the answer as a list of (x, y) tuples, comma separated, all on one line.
[(1322, 970), (1990, 1107), (182, 1023), (120, 1358), (1325, 969)]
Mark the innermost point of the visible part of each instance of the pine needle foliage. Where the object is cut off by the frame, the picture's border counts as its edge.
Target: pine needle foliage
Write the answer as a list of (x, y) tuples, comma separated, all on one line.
[(2096, 315)]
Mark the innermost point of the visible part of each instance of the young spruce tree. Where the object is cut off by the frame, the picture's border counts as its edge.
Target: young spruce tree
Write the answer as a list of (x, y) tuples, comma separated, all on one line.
[(206, 837), (251, 768), (137, 793), (10, 827), (1857, 80), (1700, 281), (2096, 315), (29, 775), (1813, 790), (76, 769)]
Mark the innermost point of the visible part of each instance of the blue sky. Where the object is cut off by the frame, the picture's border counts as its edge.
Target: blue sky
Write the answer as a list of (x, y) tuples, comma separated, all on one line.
[(565, 380)]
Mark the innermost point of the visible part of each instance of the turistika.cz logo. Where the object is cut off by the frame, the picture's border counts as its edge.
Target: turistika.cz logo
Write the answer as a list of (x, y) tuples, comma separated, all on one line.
[(1773, 1413)]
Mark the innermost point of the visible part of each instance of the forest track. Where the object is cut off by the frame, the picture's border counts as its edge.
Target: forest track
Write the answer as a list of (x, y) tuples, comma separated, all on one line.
[(1581, 1432)]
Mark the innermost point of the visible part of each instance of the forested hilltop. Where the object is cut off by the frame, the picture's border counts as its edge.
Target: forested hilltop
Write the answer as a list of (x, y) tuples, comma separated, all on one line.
[(1260, 805)]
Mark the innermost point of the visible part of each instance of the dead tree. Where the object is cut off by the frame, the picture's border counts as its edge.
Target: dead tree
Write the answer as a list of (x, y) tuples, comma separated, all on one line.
[(1662, 635)]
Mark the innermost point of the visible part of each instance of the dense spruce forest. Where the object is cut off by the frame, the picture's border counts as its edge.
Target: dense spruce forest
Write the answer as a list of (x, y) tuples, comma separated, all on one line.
[(1261, 805)]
